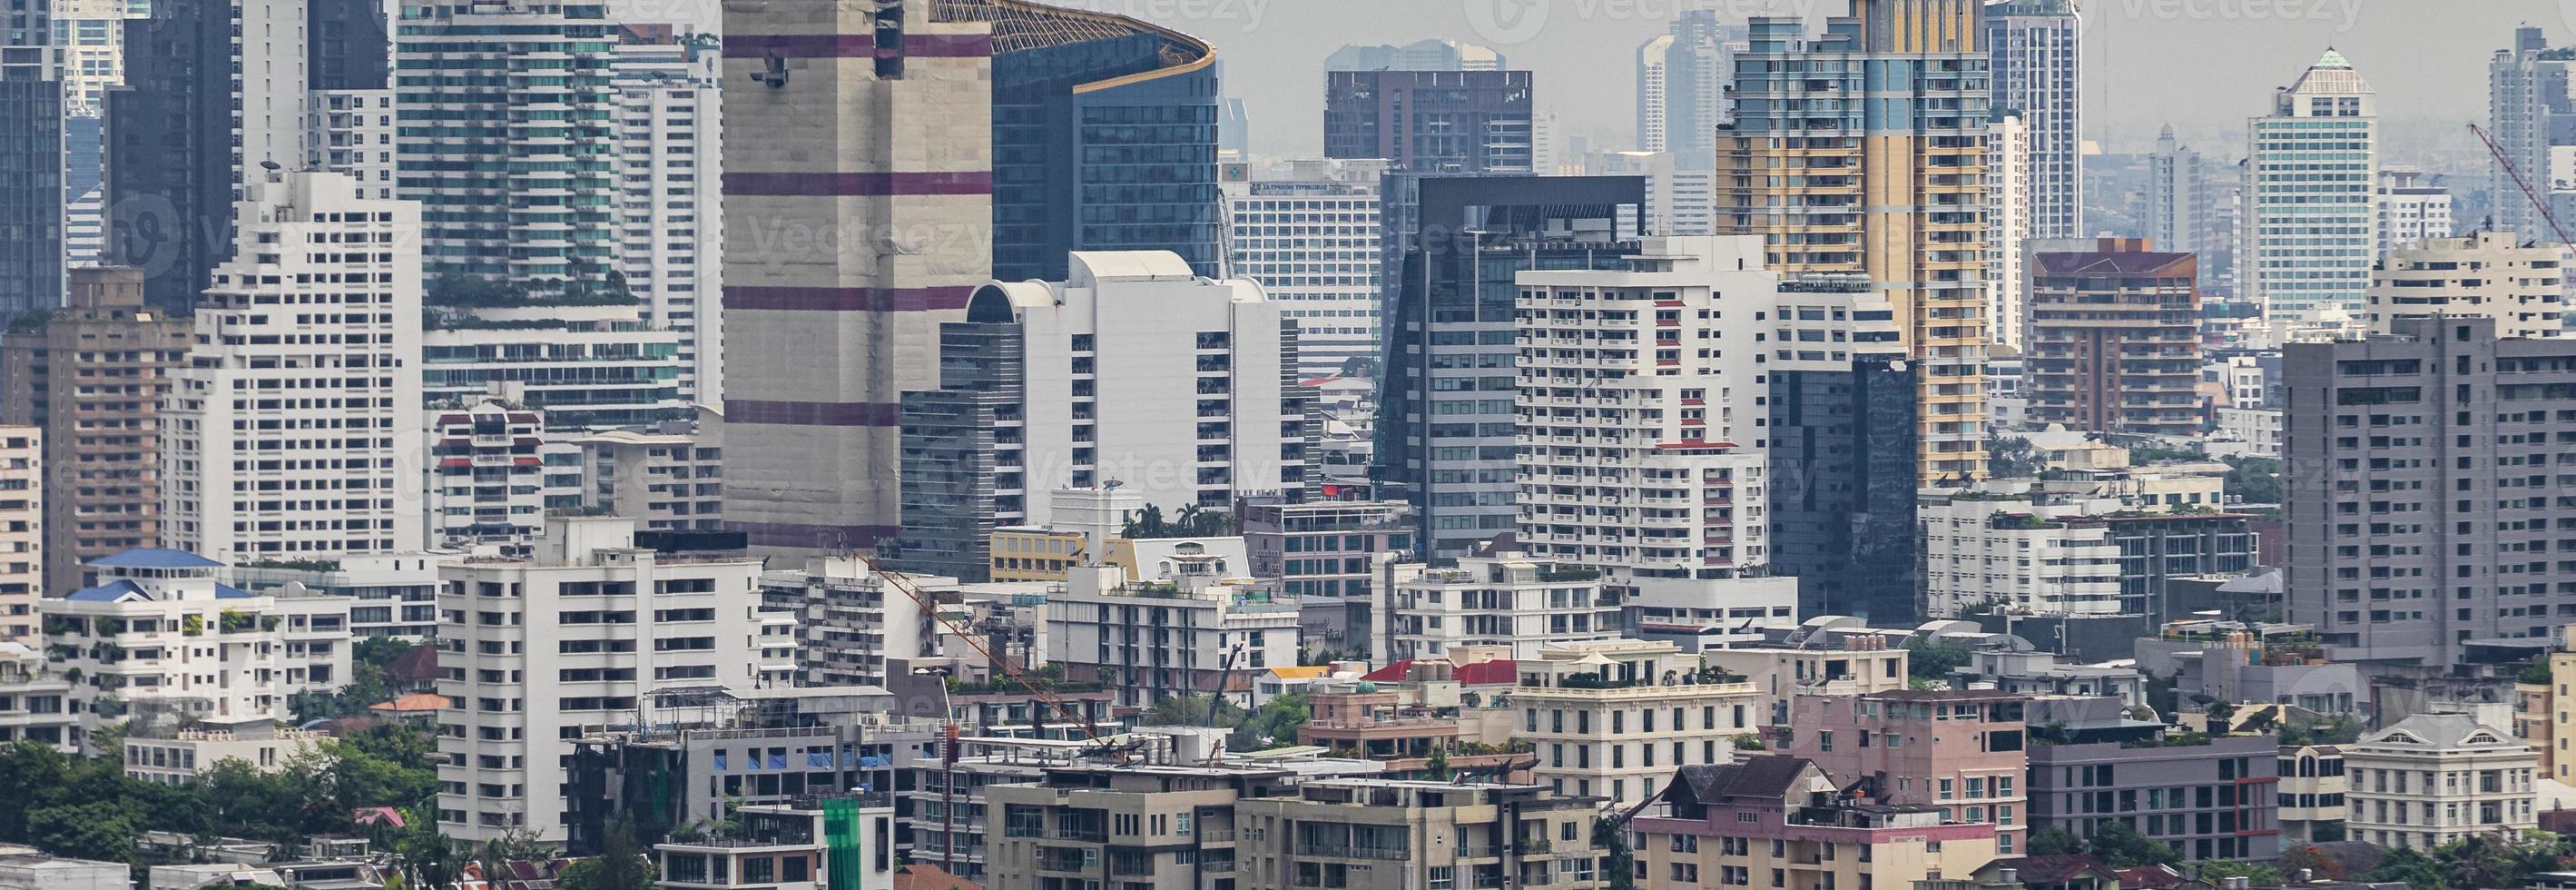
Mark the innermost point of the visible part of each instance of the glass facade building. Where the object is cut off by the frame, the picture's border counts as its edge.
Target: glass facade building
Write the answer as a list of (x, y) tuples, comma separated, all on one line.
[(1105, 143)]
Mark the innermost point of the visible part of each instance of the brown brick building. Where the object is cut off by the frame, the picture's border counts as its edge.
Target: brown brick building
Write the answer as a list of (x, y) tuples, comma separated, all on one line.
[(2115, 340)]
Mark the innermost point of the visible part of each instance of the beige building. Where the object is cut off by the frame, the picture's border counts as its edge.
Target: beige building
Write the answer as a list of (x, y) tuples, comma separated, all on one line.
[(93, 376), (1159, 827), (1778, 821), (22, 530), (189, 753), (1613, 718), (2486, 274), (2312, 789), (2556, 760), (1852, 665), (2435, 778), (1037, 554), (666, 482)]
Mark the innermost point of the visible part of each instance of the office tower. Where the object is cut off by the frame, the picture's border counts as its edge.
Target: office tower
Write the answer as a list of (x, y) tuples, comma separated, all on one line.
[(1420, 55), (670, 171), (2115, 340), (2413, 208), (22, 530), (1312, 239), (2407, 536), (2036, 67), (563, 654), (1844, 403), (294, 430), (172, 173), (1681, 87), (31, 160), (1104, 139), (1905, 166), (1134, 372), (2312, 224), (1446, 418), (1642, 424), (1677, 199), (2008, 226), (93, 376), (2530, 110), (347, 45), (1427, 123), (2482, 274), (524, 199)]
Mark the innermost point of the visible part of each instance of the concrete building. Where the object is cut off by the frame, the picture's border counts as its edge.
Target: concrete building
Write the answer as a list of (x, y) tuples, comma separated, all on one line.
[(486, 479), (2008, 227), (1312, 238), (755, 748), (2528, 105), (183, 756), (851, 627), (1632, 461), (294, 425), (2406, 536), (670, 199), (1511, 600), (2030, 558), (2035, 51), (1471, 121), (1324, 554), (31, 200), (1962, 751), (25, 868), (2311, 805), (2253, 665), (1812, 663), (2312, 219), (2182, 213), (2208, 797), (22, 530), (2259, 429), (35, 699), (2483, 274), (667, 481), (2485, 783), (586, 367), (1678, 199), (1845, 469), (808, 846), (1420, 55), (2412, 208), (1910, 161), (1770, 815), (391, 594), (1612, 718), (351, 132), (1200, 629), (2009, 663), (1682, 76), (2115, 340), (548, 648), (92, 376)]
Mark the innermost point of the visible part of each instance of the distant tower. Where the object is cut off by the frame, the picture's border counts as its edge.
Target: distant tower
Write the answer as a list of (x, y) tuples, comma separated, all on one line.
[(2312, 224)]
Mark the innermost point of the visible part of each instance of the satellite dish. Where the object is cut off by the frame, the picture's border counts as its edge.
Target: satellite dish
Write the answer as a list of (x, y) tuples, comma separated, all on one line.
[(270, 166)]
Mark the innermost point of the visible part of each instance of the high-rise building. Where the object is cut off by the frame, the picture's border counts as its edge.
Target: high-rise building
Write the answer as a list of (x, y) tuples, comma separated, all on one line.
[(1312, 239), (31, 149), (2483, 274), (294, 430), (90, 34), (1682, 76), (517, 198), (1678, 200), (1420, 55), (587, 367), (1886, 112), (2191, 209), (2312, 223), (2530, 110), (1446, 412), (2413, 208), (349, 45), (1427, 123), (486, 482), (2411, 529), (666, 481), (544, 649), (1843, 454), (352, 132), (670, 162), (2036, 52), (1505, 603), (1187, 626), (22, 530), (93, 376), (2008, 227), (2115, 340)]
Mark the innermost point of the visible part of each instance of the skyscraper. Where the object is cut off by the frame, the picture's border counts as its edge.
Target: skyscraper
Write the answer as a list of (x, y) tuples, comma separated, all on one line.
[(1885, 113), (1312, 238), (1844, 459), (670, 162), (2529, 109), (2036, 48), (2008, 225), (31, 160), (2312, 224), (2414, 207), (1681, 87), (1427, 123), (1420, 55)]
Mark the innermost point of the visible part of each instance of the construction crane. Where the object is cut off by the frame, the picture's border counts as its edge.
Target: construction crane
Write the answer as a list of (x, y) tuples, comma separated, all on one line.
[(2533, 195), (1043, 691)]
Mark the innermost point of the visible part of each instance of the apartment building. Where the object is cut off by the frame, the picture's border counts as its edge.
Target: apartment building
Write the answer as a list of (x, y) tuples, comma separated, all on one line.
[(1812, 663), (2312, 788), (2431, 779), (2208, 797), (1201, 629), (2033, 558), (35, 699), (2115, 340), (2036, 65), (669, 102), (1776, 819), (487, 476), (669, 481), (2008, 225), (2312, 221), (1505, 599), (586, 366), (2485, 274), (181, 757), (1963, 751), (1325, 554), (1612, 718), (1312, 237), (22, 530), (390, 594), (848, 624), (2413, 208), (577, 637)]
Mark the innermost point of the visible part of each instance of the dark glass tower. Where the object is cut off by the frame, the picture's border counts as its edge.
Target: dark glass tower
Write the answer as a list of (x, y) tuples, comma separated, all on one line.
[(168, 141), (31, 161), (960, 445)]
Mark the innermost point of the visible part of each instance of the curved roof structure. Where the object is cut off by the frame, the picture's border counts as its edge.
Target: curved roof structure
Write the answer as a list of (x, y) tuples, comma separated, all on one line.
[(1019, 26)]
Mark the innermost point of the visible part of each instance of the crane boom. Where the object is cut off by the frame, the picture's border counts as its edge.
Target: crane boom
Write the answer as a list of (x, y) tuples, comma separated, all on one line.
[(1037, 687), (2528, 193)]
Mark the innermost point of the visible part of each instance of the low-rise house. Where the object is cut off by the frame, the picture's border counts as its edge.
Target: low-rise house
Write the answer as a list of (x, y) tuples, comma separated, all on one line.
[(2435, 778)]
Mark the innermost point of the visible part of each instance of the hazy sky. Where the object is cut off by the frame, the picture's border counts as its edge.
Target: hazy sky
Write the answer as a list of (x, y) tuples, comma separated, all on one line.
[(2200, 64)]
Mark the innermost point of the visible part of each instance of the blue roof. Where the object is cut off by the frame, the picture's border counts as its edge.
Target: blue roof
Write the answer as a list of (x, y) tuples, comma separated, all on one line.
[(108, 592), (229, 592), (155, 558)]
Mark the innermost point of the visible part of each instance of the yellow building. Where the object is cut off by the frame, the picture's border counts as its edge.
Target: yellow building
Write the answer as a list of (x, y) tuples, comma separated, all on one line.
[(1035, 554), (2550, 736), (1773, 820)]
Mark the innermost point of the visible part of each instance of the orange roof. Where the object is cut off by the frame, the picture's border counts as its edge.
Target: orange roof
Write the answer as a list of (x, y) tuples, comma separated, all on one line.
[(408, 704), (1301, 671), (921, 876)]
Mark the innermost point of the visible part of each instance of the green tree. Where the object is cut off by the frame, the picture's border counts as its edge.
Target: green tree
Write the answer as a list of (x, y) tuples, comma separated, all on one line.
[(2408, 866), (1618, 863), (2121, 846), (1935, 660), (620, 865), (2260, 875), (1273, 724), (1437, 767), (2013, 457), (1193, 710), (2341, 729), (2254, 480), (97, 829), (2054, 841)]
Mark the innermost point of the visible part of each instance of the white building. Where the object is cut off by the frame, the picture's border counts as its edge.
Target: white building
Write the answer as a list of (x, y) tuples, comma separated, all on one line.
[(670, 196), (184, 755), (847, 625), (2483, 274), (158, 633), (2258, 428), (1136, 370), (2435, 778), (2412, 208), (666, 481), (587, 367), (35, 700), (2311, 223), (486, 476), (2008, 225), (575, 640), (1640, 400), (390, 594), (1615, 717), (1201, 630), (295, 430), (352, 132), (1680, 200), (22, 530), (1311, 238), (2022, 556), (1505, 600)]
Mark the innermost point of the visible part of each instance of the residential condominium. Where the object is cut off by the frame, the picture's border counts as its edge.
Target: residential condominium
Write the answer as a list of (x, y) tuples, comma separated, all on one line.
[(1682, 76), (1612, 718), (576, 639), (2008, 226), (1884, 118), (667, 481), (586, 367), (2432, 779), (1845, 468), (2528, 107), (35, 697), (2412, 209), (93, 376), (1773, 818), (2036, 59), (22, 530), (2479, 274), (1325, 554), (2114, 340), (670, 199), (2313, 785), (2208, 797), (2312, 219), (1502, 599), (1312, 238), (1198, 629), (486, 480), (294, 424), (1964, 751), (2418, 467)]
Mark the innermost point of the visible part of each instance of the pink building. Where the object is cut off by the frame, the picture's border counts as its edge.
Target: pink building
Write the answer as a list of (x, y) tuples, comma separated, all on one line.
[(1777, 821), (1960, 750)]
